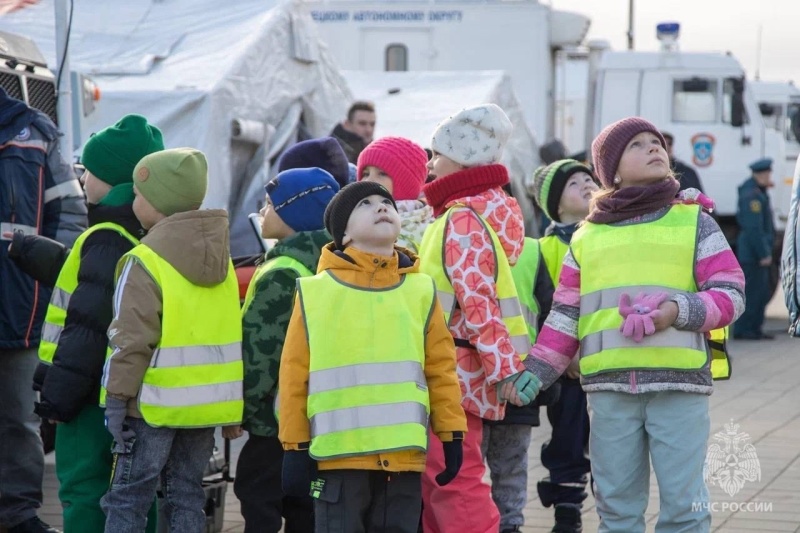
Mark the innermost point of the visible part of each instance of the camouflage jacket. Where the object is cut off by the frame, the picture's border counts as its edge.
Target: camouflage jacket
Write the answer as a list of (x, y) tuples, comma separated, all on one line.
[(264, 327)]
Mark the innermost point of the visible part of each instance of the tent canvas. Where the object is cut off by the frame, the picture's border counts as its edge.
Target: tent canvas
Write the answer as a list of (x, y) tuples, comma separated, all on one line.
[(193, 67), (411, 104)]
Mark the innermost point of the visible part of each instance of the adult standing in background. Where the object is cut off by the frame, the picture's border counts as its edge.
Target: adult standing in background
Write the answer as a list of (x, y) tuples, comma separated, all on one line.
[(39, 195), (355, 133), (685, 174), (754, 249)]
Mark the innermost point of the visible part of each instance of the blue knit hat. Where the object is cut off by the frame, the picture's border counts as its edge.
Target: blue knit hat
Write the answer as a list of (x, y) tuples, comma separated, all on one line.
[(325, 153), (300, 196)]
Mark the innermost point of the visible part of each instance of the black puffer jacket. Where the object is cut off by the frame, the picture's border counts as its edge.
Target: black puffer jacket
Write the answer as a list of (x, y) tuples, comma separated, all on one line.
[(73, 380)]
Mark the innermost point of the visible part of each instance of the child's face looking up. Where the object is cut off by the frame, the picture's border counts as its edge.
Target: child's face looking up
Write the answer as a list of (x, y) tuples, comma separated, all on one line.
[(644, 161), (574, 203), (440, 166), (374, 223), (377, 175)]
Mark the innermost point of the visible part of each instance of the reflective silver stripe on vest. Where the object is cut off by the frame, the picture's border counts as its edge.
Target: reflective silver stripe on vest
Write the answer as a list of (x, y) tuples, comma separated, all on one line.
[(446, 300), (51, 332), (190, 396), (365, 374), (368, 416), (531, 318), (196, 355), (521, 343), (669, 338), (8, 227), (510, 307), (609, 298), (60, 298)]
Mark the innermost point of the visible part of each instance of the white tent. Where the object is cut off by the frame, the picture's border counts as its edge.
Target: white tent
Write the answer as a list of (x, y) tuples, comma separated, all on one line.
[(234, 80), (411, 104)]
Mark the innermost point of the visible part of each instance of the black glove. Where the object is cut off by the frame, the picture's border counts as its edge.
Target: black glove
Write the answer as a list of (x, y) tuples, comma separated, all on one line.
[(453, 457), (299, 470)]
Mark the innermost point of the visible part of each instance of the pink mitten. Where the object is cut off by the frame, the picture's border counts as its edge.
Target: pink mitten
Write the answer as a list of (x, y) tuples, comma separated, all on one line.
[(694, 196), (639, 315)]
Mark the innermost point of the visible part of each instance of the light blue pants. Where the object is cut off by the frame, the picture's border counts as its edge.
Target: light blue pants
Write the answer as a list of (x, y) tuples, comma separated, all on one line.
[(669, 428)]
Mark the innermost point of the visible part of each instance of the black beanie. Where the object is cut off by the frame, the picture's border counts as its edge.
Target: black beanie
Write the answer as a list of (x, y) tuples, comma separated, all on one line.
[(342, 204)]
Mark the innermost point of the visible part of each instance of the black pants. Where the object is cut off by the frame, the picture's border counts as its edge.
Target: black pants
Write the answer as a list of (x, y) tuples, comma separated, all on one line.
[(565, 455), (368, 501), (258, 487)]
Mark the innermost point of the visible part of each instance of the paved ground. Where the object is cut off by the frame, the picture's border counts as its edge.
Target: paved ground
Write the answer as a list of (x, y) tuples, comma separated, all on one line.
[(762, 398)]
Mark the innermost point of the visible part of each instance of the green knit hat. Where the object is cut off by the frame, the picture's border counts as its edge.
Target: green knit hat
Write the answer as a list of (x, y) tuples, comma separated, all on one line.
[(173, 180), (549, 183), (112, 153)]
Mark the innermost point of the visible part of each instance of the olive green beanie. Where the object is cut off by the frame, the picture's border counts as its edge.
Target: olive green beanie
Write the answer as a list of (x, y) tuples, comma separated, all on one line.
[(173, 180), (112, 153)]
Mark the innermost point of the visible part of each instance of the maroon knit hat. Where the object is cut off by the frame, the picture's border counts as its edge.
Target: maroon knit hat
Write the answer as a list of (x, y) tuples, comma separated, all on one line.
[(404, 161), (609, 144)]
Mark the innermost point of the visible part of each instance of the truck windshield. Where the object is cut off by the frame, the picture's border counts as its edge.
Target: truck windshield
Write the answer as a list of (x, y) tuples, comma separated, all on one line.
[(793, 122)]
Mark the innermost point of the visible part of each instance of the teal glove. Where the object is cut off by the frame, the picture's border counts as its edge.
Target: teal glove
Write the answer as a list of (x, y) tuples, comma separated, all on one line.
[(525, 384)]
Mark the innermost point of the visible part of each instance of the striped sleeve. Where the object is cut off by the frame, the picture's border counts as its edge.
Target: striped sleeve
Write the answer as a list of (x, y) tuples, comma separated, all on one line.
[(557, 343), (720, 283)]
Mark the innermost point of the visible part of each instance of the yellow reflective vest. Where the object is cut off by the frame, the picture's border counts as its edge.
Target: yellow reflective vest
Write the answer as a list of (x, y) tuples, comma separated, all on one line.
[(432, 263), (367, 391), (195, 375), (66, 284), (524, 274), (649, 257), (280, 262), (553, 252)]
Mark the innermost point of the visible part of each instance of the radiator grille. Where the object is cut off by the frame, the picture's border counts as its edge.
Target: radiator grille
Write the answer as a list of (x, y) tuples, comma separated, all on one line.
[(12, 85), (42, 96)]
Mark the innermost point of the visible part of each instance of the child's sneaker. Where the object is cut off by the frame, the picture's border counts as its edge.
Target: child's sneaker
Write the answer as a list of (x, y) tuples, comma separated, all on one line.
[(568, 518)]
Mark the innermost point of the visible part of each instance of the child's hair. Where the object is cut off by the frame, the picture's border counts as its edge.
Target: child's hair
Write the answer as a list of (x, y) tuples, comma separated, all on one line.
[(405, 162)]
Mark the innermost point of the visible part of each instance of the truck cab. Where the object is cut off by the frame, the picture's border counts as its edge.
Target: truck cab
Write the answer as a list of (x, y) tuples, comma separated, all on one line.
[(703, 100), (779, 103)]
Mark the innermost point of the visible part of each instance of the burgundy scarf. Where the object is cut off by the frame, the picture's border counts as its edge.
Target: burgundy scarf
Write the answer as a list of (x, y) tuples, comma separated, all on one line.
[(467, 182), (631, 202)]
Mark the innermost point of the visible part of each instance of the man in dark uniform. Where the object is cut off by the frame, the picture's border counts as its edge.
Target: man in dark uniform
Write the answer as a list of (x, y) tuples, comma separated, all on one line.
[(754, 249), (686, 175)]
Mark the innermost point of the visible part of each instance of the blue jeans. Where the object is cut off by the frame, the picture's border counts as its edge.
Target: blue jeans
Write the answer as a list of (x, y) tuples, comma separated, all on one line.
[(178, 458), (21, 455), (630, 430)]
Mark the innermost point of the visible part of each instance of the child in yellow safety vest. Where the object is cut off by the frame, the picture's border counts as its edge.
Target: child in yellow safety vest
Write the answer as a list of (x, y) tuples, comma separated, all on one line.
[(293, 214), (645, 279), (563, 191), (367, 360), (468, 250), (175, 370)]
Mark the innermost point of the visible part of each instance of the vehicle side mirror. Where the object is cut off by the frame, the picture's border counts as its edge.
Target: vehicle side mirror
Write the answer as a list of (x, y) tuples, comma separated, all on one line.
[(737, 103)]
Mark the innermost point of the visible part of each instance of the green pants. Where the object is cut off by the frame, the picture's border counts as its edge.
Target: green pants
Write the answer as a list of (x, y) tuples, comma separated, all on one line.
[(83, 467)]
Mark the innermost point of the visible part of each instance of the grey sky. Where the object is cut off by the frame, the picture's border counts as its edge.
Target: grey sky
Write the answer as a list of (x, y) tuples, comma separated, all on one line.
[(706, 25)]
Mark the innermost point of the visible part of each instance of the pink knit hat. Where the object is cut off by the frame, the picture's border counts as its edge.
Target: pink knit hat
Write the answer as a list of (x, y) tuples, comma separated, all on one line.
[(404, 161), (609, 144)]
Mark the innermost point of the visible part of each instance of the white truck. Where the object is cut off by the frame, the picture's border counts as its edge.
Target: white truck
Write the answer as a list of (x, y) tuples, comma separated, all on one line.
[(701, 98), (779, 103)]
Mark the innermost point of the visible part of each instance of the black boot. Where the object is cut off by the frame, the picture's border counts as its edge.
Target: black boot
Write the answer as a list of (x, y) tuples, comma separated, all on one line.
[(33, 525), (568, 518)]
